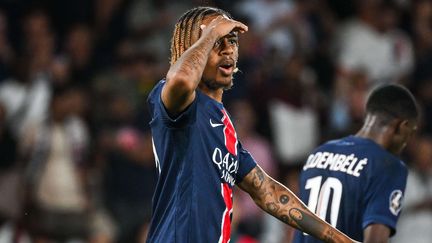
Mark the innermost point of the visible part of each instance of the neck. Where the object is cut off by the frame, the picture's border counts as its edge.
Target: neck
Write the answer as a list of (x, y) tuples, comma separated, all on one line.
[(373, 131), (373, 135), (215, 94)]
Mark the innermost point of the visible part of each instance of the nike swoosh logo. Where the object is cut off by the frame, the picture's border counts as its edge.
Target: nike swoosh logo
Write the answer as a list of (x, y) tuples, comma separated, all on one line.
[(215, 124)]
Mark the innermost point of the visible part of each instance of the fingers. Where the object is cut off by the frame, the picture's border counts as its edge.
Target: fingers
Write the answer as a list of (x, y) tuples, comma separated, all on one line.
[(238, 26), (232, 24), (241, 27)]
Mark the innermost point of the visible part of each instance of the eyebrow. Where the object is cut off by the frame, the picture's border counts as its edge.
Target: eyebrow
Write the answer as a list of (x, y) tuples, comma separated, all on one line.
[(231, 34)]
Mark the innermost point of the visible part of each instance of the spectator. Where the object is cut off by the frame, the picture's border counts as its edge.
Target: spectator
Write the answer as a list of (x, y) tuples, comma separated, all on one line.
[(56, 182), (128, 173), (370, 50), (7, 54), (79, 53), (416, 218), (372, 42), (250, 217)]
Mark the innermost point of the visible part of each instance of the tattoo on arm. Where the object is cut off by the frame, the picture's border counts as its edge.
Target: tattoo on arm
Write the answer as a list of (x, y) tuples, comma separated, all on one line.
[(308, 223), (272, 207), (196, 59), (258, 179), (284, 199), (280, 202)]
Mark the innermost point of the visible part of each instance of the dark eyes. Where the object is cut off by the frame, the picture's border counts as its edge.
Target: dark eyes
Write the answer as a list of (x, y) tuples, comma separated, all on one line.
[(231, 41)]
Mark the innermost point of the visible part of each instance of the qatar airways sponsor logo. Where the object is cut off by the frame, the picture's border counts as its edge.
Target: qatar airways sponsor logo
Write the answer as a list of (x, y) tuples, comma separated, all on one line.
[(227, 165)]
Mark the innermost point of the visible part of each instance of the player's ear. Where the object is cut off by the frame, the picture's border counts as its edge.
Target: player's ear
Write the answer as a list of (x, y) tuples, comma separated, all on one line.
[(396, 127), (402, 130), (402, 127)]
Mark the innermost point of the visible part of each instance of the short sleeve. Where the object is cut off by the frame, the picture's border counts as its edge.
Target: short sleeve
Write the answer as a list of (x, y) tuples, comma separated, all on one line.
[(385, 194), (246, 163), (159, 114)]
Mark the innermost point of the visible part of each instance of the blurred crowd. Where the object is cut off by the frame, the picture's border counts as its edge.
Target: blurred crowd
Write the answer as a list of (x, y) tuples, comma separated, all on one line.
[(76, 162)]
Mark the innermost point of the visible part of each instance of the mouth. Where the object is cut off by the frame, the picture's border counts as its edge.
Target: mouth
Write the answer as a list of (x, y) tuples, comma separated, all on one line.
[(227, 67)]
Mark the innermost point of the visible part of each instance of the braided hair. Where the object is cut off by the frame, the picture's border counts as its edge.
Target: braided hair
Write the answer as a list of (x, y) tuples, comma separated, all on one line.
[(187, 29)]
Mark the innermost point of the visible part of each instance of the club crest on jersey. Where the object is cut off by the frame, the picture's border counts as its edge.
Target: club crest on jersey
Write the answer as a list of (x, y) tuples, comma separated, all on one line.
[(395, 202)]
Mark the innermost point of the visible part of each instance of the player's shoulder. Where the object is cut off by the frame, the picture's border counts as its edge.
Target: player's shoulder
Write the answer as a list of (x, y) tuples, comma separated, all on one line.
[(383, 160), (155, 93), (337, 143), (365, 148), (157, 89), (388, 159), (154, 98)]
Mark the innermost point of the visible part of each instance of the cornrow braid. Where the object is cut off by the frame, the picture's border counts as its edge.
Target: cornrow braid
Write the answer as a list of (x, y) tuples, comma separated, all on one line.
[(183, 28), (187, 29), (175, 42), (190, 29), (195, 31)]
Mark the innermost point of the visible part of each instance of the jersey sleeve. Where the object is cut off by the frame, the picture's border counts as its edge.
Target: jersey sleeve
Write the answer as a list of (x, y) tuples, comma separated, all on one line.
[(160, 114), (385, 193), (246, 163)]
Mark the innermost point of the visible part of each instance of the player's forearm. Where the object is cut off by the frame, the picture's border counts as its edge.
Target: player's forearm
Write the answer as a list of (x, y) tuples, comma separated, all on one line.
[(280, 202), (185, 74), (188, 69)]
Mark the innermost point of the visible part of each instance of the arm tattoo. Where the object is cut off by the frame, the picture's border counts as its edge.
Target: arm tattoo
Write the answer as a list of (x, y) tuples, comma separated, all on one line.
[(272, 207), (284, 199), (196, 58), (280, 202), (308, 224), (258, 179), (286, 219)]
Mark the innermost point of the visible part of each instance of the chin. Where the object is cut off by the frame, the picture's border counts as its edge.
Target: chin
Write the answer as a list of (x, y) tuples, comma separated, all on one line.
[(229, 86), (224, 83)]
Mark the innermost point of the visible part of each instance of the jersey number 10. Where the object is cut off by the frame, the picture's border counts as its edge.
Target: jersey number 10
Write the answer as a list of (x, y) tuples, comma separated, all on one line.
[(325, 196)]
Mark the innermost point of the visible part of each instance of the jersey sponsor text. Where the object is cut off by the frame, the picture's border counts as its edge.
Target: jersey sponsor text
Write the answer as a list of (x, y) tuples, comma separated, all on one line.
[(227, 165)]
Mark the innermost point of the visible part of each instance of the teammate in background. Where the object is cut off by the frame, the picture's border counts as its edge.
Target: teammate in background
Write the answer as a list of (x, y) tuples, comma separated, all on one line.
[(198, 155), (357, 183)]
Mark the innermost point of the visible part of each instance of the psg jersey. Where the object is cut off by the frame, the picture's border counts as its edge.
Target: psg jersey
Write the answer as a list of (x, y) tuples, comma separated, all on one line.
[(199, 159), (352, 183)]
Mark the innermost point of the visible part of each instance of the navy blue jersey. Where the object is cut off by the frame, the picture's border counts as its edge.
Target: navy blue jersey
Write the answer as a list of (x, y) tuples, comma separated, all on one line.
[(199, 160), (352, 183)]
